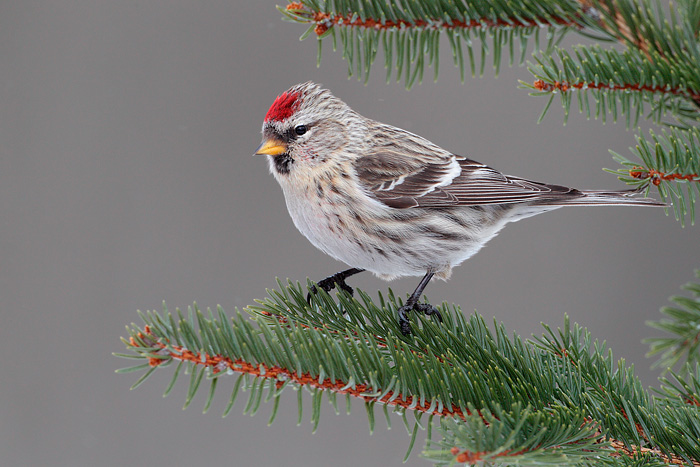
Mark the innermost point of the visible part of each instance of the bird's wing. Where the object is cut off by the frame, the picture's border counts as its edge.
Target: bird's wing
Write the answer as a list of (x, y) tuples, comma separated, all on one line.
[(405, 181)]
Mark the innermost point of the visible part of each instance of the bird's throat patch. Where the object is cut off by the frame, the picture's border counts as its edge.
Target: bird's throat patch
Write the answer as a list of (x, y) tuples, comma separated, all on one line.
[(283, 163)]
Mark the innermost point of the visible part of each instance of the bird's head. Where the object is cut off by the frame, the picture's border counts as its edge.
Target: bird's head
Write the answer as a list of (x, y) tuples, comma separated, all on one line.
[(307, 127)]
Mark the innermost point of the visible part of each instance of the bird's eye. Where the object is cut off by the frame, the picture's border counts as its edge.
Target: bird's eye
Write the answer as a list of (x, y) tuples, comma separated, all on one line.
[(300, 129)]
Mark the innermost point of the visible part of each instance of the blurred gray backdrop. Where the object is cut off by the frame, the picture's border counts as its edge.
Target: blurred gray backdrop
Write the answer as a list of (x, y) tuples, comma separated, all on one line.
[(126, 178)]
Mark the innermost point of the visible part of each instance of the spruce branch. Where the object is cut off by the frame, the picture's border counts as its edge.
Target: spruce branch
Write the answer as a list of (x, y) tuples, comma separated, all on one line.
[(685, 389), (671, 162), (501, 400), (657, 75), (682, 321), (642, 25), (409, 32), (621, 83), (661, 54)]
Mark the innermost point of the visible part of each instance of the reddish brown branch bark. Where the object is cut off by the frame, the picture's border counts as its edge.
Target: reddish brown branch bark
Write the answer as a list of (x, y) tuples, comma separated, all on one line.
[(656, 177), (219, 363), (624, 32), (473, 457), (621, 449), (324, 21), (565, 86)]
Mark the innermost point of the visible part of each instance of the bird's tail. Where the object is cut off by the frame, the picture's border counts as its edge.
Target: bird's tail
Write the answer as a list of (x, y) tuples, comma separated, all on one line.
[(601, 198), (562, 196)]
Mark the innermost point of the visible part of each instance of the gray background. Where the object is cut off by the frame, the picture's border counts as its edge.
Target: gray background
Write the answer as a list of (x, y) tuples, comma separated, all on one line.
[(126, 178)]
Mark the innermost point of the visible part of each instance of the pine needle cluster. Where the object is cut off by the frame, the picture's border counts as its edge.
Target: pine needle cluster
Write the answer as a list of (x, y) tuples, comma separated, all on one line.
[(682, 322), (561, 398)]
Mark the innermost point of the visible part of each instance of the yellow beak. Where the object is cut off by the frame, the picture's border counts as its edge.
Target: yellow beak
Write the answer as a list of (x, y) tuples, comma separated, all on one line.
[(271, 147)]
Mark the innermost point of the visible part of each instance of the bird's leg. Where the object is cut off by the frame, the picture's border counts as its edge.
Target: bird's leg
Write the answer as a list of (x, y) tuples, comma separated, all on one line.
[(413, 305), (331, 281)]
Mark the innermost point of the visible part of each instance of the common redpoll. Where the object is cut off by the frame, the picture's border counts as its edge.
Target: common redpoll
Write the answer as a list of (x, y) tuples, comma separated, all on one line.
[(385, 200)]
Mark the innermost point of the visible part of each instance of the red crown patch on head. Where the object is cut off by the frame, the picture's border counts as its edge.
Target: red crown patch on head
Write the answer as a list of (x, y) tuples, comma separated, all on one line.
[(283, 107)]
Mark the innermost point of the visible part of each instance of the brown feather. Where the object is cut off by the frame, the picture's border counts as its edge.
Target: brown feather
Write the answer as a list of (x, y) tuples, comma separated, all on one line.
[(402, 181)]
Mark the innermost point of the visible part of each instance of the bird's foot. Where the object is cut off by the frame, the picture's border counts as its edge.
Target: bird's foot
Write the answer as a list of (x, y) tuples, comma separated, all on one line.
[(329, 283), (425, 308)]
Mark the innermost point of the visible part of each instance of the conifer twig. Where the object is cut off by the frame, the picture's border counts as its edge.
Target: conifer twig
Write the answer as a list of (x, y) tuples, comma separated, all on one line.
[(324, 20), (566, 86), (498, 399), (682, 321), (219, 363), (409, 32)]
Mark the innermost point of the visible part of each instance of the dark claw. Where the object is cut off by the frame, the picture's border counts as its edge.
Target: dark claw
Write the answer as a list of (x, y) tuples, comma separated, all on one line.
[(424, 308), (330, 282), (428, 310), (403, 320)]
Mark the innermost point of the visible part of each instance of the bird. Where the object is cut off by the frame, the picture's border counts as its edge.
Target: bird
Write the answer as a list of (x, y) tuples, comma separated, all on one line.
[(382, 199)]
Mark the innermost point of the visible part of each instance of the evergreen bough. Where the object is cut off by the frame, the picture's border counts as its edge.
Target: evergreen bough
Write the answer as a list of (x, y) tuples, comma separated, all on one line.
[(559, 399)]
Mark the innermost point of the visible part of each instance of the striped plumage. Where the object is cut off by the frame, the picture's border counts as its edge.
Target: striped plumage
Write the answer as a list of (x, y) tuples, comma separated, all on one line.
[(382, 199)]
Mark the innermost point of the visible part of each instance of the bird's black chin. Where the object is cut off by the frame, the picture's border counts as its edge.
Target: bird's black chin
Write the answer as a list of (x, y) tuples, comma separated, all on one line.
[(283, 163)]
